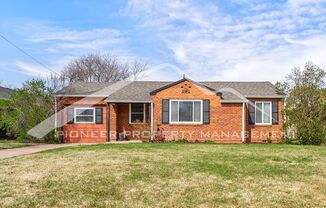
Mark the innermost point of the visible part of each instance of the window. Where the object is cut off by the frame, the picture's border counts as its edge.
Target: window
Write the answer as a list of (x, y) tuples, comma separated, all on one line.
[(186, 111), (84, 115), (263, 113), (136, 113)]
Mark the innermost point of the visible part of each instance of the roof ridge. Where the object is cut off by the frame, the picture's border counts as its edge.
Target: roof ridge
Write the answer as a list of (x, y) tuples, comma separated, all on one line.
[(6, 88), (238, 81)]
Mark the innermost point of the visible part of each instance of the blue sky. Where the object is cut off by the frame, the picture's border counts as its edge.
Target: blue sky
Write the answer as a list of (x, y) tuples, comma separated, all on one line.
[(206, 40)]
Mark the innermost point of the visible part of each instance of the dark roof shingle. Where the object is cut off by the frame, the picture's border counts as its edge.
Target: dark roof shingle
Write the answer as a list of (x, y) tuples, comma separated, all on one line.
[(140, 90)]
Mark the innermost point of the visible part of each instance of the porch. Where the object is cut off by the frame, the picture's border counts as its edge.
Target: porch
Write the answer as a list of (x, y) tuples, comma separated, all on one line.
[(129, 121)]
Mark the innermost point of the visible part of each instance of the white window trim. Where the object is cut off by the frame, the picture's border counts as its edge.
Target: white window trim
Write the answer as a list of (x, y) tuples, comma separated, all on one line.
[(83, 122), (144, 113), (270, 117), (193, 114)]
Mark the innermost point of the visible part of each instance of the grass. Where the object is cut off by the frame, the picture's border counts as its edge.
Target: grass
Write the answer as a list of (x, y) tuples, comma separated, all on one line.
[(9, 144), (167, 175)]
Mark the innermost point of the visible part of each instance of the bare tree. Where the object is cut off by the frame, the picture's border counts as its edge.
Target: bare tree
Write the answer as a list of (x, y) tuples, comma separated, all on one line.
[(101, 68), (136, 69), (54, 82)]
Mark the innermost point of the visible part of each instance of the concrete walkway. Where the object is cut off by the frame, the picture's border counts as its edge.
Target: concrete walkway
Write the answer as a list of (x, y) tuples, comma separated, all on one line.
[(7, 153)]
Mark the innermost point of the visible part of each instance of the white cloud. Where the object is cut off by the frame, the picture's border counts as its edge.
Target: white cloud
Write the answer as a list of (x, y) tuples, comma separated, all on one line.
[(56, 46), (32, 69), (263, 41), (75, 35), (65, 41)]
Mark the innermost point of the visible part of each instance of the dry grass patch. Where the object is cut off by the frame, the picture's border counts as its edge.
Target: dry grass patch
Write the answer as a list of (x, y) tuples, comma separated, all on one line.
[(167, 175)]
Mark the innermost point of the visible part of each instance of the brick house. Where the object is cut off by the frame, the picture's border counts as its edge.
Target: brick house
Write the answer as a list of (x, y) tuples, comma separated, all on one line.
[(223, 112)]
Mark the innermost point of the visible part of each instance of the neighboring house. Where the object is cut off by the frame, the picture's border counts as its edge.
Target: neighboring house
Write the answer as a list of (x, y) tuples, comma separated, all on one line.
[(223, 112), (5, 93)]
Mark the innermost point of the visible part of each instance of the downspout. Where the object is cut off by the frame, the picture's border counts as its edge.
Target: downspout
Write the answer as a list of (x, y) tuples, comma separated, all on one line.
[(152, 119), (55, 117), (108, 122), (285, 130), (243, 121)]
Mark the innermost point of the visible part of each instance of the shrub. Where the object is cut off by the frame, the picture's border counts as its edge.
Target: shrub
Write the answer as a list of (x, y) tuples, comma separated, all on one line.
[(209, 142), (158, 139), (27, 107), (182, 140), (306, 105), (311, 132), (288, 140)]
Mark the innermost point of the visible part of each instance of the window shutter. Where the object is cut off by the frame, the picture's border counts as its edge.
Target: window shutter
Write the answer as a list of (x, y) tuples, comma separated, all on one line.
[(149, 113), (206, 111), (99, 115), (251, 113), (70, 116), (274, 112), (165, 111)]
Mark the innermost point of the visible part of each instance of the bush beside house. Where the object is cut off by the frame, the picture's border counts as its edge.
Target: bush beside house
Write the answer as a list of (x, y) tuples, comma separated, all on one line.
[(305, 106), (27, 107)]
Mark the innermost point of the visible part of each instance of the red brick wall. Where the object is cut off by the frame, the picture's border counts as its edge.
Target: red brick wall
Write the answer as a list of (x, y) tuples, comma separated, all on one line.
[(225, 119), (260, 133), (113, 122), (123, 125), (84, 132)]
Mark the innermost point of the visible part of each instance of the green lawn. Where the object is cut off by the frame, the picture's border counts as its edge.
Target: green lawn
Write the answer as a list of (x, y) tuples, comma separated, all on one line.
[(167, 175), (9, 144)]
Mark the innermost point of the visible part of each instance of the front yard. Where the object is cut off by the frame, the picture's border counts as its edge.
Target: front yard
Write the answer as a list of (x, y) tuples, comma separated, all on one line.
[(168, 175)]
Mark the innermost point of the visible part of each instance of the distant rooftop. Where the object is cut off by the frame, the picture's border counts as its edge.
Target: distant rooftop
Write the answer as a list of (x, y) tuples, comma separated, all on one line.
[(5, 92)]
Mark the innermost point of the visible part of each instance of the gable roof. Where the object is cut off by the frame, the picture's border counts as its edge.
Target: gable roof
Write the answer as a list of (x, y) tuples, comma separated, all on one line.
[(140, 91), (5, 92), (182, 80)]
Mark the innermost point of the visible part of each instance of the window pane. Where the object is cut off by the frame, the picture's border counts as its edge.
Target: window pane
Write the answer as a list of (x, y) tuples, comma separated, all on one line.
[(174, 111), (85, 112), (267, 112), (137, 113), (185, 111), (84, 119), (137, 118), (259, 107), (137, 107), (197, 111)]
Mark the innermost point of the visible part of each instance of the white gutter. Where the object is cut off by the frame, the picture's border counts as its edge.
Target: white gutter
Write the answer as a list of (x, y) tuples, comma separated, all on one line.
[(127, 101), (265, 96), (81, 95)]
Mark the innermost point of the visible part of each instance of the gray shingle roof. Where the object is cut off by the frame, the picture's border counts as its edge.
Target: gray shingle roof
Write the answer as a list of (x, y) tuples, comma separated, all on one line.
[(83, 88), (140, 90), (5, 92)]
